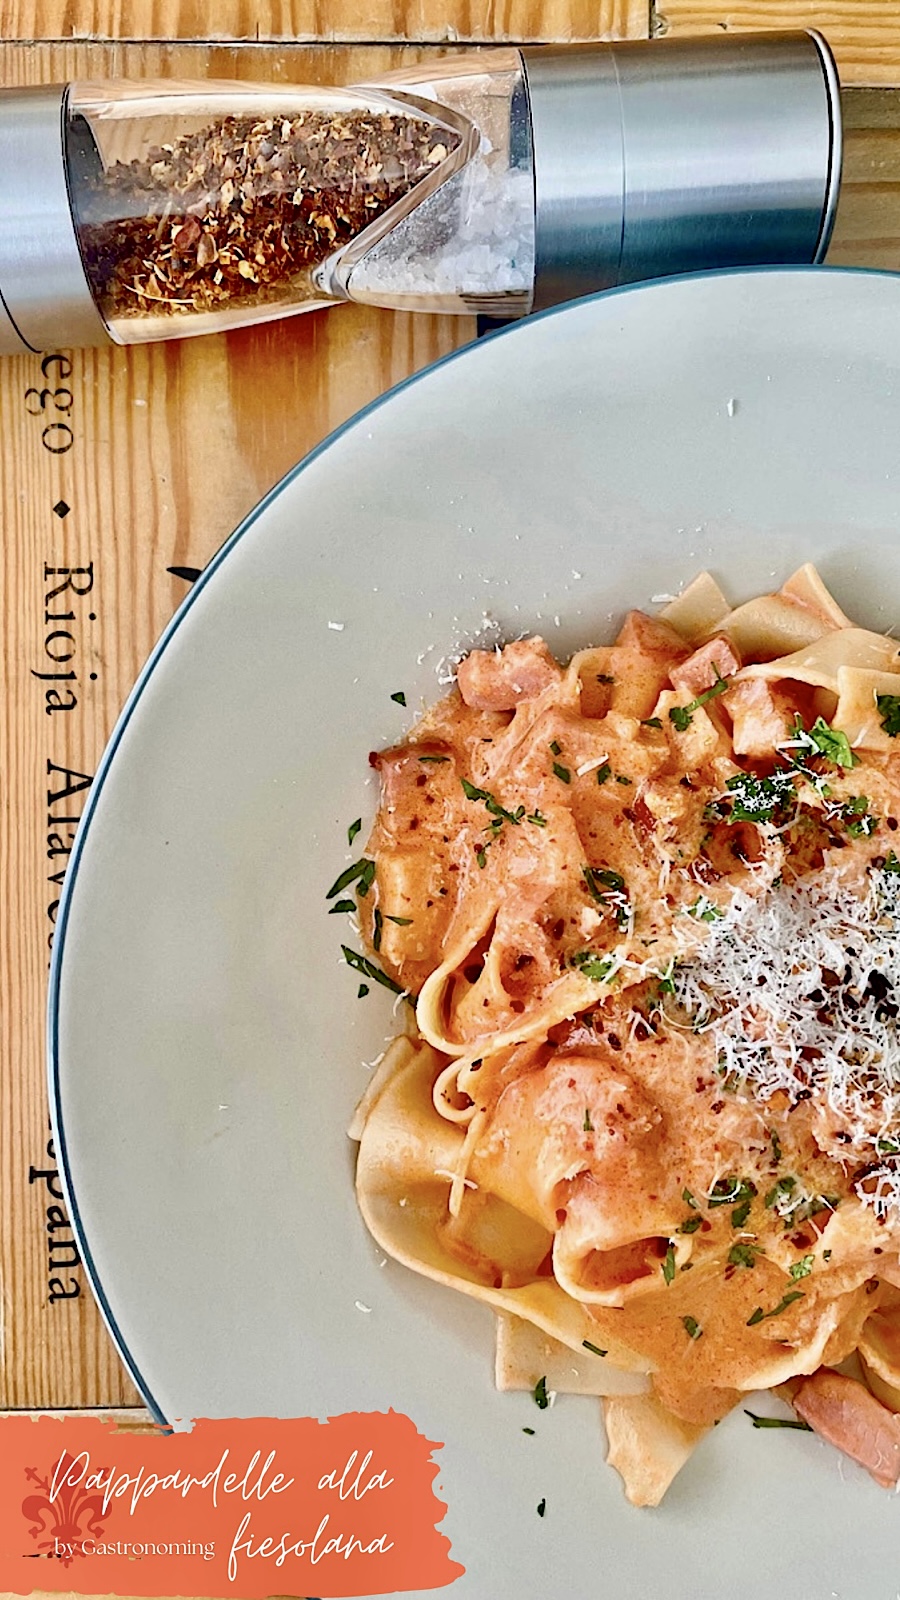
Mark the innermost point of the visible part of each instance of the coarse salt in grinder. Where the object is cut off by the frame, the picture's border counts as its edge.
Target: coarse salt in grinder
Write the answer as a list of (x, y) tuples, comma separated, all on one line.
[(500, 182)]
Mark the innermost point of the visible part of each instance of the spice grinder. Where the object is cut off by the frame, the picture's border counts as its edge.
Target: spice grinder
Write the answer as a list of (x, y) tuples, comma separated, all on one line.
[(497, 183)]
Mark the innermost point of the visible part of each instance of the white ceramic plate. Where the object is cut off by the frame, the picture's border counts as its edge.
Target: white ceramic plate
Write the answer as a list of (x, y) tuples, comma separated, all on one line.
[(206, 1041)]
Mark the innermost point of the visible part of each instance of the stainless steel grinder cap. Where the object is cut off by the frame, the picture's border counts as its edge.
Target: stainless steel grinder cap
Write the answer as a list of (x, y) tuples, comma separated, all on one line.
[(45, 302), (680, 156)]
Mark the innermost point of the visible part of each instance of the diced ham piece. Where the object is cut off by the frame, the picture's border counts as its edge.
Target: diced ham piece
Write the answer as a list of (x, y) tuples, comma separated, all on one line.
[(761, 716), (847, 1415), (715, 659), (493, 680), (651, 636), (640, 661)]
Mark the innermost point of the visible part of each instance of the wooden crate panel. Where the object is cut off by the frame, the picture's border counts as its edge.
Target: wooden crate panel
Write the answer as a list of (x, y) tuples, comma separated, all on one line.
[(867, 227), (425, 21), (864, 34), (170, 446)]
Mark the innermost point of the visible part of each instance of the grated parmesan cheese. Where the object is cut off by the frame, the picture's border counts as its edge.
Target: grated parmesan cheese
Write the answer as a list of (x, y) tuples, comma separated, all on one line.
[(588, 766), (444, 1172), (800, 989)]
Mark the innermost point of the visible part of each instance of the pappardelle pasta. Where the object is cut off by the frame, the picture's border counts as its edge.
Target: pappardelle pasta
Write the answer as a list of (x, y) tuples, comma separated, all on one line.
[(647, 908)]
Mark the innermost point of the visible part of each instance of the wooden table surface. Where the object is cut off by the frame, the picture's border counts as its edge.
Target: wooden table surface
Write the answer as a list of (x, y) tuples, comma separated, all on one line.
[(174, 443)]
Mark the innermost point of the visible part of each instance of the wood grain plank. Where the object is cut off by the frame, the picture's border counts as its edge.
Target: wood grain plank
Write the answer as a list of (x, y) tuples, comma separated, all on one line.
[(345, 21), (173, 444), (864, 34), (127, 1419), (867, 225)]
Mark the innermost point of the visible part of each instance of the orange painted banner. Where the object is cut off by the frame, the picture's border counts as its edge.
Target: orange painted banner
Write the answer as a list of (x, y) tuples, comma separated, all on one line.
[(246, 1507)]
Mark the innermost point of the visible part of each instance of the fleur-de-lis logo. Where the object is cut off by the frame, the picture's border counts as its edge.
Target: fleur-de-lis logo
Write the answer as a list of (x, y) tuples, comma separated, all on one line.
[(72, 1515)]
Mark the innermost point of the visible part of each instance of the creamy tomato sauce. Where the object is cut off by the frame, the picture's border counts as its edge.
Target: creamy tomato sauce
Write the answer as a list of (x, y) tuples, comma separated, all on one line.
[(573, 868)]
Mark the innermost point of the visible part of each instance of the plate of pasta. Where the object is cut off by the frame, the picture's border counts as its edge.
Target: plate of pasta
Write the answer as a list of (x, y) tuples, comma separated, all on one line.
[(519, 791)]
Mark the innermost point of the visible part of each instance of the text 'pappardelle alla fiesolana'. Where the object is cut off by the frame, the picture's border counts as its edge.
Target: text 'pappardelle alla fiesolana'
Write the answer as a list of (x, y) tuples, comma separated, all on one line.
[(646, 910)]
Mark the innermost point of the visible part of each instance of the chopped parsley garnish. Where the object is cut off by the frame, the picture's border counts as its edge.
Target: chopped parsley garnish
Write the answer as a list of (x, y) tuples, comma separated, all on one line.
[(776, 1146), (433, 761), (891, 864), (683, 716), (856, 816), (762, 1316), (743, 1255), (704, 910), (692, 1327), (688, 1199), (889, 712), (740, 1214), (731, 1083), (620, 778), (362, 991), (400, 697), (556, 748), (691, 1224), (377, 930), (604, 773), (668, 1269), (362, 873), (491, 804), (562, 773), (758, 799), (341, 905), (481, 858), (829, 742), (402, 922), (537, 818), (353, 830), (608, 888), (811, 1208), (368, 968), (728, 1190), (778, 1422), (887, 1147), (542, 1506), (587, 1125), (667, 986), (591, 965), (539, 1394), (605, 677), (803, 1267), (856, 806), (651, 722), (594, 1349), (602, 879), (781, 1190)]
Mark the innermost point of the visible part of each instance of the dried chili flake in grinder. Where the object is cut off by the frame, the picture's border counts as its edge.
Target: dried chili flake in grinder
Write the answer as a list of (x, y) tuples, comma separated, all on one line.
[(245, 210)]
